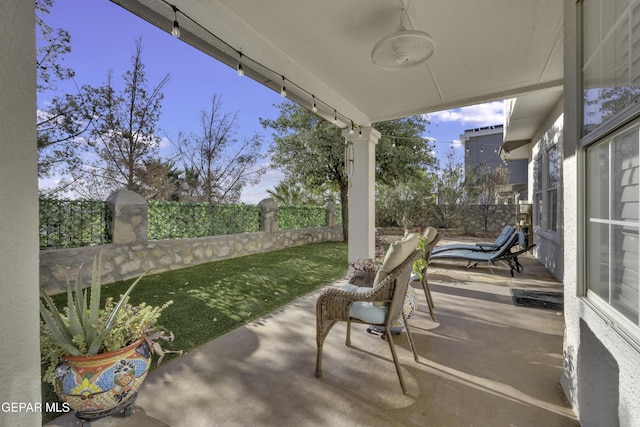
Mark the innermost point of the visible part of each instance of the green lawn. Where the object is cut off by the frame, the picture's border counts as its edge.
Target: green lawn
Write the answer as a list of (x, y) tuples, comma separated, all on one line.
[(212, 299)]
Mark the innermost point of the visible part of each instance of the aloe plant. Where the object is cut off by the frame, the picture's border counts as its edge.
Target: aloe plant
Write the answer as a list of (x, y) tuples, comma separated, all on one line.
[(82, 334)]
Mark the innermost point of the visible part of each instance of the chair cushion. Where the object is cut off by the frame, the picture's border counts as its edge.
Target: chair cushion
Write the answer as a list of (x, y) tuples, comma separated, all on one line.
[(429, 234), (365, 311), (397, 253)]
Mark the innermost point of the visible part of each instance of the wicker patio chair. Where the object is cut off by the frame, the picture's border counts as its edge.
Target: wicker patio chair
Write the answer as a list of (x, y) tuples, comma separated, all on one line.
[(335, 305), (432, 237)]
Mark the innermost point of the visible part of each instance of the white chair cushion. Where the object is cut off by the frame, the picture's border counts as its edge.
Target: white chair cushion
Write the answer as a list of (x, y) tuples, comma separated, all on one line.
[(396, 255), (368, 313), (365, 311)]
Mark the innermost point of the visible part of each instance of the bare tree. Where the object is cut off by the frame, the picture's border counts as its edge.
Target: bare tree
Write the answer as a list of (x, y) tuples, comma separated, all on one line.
[(53, 45), (487, 183), (217, 164), (57, 126), (120, 137)]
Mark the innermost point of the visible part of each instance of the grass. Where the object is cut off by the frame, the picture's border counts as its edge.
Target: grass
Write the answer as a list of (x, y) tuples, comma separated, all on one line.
[(224, 295)]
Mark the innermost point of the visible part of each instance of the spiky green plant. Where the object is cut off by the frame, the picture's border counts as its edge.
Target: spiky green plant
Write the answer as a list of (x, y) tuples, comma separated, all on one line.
[(79, 330)]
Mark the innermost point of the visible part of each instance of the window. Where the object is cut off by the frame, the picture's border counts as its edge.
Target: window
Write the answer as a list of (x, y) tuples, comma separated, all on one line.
[(545, 189), (610, 59), (552, 189), (612, 220), (610, 88), (537, 196)]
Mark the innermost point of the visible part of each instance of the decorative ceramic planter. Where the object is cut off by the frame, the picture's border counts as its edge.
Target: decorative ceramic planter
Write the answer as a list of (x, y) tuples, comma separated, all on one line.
[(99, 383)]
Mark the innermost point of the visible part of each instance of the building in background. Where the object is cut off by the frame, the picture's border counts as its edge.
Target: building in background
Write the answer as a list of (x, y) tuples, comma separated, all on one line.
[(482, 146)]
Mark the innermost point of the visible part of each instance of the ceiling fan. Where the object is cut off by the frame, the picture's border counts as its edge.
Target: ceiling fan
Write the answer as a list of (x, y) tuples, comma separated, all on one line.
[(403, 49)]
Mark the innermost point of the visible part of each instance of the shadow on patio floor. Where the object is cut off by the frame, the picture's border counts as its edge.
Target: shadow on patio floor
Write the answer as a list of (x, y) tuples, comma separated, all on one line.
[(484, 362)]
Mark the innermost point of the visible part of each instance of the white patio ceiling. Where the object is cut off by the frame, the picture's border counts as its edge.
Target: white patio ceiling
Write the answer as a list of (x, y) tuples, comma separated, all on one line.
[(485, 50)]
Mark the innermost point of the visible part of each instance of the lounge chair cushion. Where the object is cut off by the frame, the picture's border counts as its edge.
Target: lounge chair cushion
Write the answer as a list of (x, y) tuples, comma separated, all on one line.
[(365, 311)]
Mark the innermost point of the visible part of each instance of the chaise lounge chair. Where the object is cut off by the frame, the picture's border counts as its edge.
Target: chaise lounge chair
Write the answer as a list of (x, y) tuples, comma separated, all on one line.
[(505, 254), (507, 231)]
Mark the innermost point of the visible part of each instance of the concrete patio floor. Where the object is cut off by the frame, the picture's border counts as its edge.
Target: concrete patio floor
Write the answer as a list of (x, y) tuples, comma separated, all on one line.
[(483, 362)]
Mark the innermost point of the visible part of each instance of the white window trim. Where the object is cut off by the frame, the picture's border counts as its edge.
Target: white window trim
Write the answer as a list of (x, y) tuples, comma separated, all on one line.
[(546, 199), (538, 191), (626, 328)]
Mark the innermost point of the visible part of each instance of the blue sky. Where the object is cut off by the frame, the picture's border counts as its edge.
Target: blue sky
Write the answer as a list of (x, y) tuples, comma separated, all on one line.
[(103, 37)]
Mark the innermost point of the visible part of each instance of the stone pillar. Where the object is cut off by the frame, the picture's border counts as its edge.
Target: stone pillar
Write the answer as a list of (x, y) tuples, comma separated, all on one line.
[(331, 214), (268, 215), (130, 222), (360, 163)]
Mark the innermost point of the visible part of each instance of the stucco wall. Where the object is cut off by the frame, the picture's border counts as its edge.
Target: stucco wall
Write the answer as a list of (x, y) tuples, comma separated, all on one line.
[(549, 244), (19, 356), (601, 373)]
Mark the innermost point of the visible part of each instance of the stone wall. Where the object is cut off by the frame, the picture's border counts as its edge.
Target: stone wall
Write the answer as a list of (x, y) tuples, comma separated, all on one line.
[(472, 221), (131, 254)]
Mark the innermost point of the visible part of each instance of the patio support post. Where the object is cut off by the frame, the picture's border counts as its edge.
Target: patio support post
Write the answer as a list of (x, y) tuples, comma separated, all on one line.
[(360, 160), (19, 253)]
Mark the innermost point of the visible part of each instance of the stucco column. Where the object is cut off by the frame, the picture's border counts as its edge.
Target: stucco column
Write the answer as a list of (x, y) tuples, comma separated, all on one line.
[(19, 251), (360, 161)]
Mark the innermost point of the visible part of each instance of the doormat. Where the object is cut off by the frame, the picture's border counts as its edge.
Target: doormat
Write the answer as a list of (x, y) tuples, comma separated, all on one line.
[(538, 299)]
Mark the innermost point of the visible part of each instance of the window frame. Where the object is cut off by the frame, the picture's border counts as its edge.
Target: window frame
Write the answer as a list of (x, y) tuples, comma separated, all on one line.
[(538, 191), (604, 132), (551, 217)]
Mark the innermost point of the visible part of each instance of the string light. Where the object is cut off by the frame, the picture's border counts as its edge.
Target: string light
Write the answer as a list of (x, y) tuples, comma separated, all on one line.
[(314, 108), (229, 50), (351, 130), (239, 69), (175, 31), (360, 132), (283, 91)]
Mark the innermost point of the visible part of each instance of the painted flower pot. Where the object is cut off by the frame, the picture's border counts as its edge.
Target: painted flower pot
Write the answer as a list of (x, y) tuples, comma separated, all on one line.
[(101, 382)]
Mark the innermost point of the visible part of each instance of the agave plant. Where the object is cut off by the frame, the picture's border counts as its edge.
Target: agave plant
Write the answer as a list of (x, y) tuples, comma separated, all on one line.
[(80, 330)]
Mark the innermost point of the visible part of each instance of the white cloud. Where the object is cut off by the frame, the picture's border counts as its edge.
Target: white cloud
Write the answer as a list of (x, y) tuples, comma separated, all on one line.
[(488, 114), (255, 193), (164, 142)]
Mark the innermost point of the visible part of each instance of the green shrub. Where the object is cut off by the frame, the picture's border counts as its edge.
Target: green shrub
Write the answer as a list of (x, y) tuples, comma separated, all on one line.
[(301, 217), (173, 220)]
